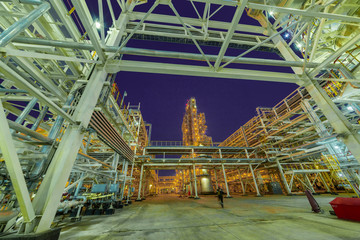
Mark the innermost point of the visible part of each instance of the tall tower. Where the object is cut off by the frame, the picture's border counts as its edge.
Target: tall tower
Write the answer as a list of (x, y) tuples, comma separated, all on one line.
[(194, 134), (193, 126)]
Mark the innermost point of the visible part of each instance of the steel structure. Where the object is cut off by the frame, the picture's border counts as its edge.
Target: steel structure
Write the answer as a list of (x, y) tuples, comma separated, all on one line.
[(59, 122)]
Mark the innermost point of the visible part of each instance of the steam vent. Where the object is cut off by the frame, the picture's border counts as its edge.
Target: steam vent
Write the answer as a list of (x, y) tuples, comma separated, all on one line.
[(99, 139)]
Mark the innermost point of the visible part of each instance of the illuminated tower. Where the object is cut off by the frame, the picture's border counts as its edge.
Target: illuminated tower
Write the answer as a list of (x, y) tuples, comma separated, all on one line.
[(194, 129), (193, 126)]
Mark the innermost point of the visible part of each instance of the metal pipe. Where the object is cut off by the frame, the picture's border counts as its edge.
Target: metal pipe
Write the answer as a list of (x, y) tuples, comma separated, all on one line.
[(34, 2), (55, 129), (41, 116), (26, 111), (19, 26), (27, 131), (5, 90)]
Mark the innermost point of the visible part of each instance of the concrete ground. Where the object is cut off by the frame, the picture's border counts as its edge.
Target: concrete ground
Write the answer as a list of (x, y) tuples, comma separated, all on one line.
[(244, 217)]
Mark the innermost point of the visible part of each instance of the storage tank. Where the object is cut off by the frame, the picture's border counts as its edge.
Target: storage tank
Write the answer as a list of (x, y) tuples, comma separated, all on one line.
[(205, 182)]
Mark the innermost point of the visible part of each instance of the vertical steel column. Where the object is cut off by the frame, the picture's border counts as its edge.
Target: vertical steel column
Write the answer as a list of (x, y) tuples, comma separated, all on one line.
[(140, 182), (144, 186), (57, 174), (19, 26), (124, 172), (241, 181), (14, 168), (115, 165), (255, 183), (132, 165), (195, 184), (288, 190), (190, 183), (225, 180), (216, 181), (130, 184)]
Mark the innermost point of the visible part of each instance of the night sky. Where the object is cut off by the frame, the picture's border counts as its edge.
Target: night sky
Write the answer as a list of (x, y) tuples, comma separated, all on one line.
[(227, 103)]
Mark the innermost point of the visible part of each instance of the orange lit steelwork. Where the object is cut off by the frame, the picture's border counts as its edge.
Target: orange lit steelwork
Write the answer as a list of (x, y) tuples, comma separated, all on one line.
[(193, 126)]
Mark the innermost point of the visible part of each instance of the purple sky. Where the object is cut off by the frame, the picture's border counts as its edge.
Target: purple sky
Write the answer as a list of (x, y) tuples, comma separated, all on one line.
[(227, 103)]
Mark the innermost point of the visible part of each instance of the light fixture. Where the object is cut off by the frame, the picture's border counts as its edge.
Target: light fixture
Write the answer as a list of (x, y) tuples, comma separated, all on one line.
[(271, 13), (350, 108), (286, 35), (97, 25), (299, 45)]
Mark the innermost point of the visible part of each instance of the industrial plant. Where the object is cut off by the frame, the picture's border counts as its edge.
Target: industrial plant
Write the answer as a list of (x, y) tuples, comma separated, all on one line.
[(78, 160)]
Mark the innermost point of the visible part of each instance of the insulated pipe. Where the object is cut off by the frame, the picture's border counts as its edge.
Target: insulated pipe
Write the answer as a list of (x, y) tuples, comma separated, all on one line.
[(19, 26)]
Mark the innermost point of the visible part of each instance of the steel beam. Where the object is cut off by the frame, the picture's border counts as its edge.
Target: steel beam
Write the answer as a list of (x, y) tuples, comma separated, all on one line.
[(51, 188), (235, 21), (23, 84), (87, 21), (19, 26), (190, 70), (14, 168)]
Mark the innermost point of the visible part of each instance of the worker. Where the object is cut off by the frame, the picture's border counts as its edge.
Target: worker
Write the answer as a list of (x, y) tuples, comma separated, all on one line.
[(220, 195)]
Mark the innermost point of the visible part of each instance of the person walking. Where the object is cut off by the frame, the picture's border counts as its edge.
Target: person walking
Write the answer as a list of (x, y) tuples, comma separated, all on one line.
[(220, 195)]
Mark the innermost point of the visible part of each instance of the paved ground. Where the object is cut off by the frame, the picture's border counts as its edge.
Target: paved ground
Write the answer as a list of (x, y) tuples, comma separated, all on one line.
[(253, 218)]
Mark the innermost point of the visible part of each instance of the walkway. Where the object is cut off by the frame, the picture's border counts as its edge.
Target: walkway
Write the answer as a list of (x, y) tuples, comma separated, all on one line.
[(170, 217)]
